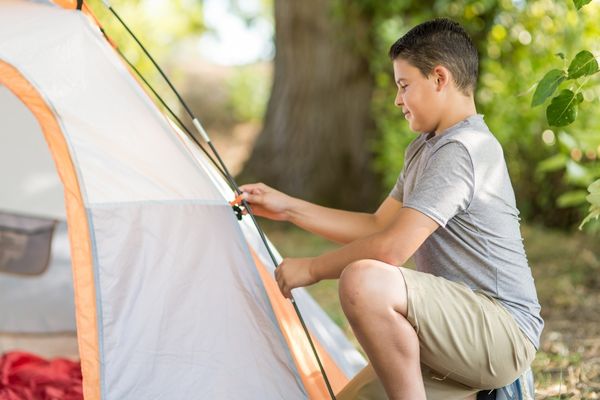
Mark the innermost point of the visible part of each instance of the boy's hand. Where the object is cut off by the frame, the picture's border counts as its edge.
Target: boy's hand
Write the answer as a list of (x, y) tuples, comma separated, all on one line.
[(266, 201), (293, 273)]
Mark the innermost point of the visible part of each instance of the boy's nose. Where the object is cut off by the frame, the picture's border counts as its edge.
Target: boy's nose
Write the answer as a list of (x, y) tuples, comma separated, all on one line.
[(398, 101)]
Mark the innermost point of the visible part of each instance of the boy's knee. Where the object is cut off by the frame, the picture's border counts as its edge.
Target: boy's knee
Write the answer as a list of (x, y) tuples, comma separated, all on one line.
[(370, 286), (355, 287)]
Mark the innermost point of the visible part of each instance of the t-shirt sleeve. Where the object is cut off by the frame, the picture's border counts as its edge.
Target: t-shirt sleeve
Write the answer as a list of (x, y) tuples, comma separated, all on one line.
[(446, 186), (398, 189)]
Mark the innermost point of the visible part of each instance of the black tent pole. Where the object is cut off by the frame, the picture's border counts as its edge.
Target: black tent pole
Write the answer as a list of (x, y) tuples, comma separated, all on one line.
[(231, 180)]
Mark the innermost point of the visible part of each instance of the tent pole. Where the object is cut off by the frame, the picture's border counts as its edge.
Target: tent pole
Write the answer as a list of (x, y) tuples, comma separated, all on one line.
[(231, 180)]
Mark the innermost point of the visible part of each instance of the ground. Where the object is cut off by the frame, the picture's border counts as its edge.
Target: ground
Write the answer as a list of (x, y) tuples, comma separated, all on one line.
[(566, 268)]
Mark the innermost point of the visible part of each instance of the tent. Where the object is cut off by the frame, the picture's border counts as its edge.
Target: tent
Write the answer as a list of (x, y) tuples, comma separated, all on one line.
[(172, 297)]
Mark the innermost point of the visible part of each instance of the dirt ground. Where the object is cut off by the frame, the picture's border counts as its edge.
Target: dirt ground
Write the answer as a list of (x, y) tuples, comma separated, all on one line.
[(566, 268)]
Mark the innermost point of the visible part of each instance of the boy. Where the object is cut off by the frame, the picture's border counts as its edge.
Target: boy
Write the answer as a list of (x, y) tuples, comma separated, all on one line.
[(468, 318)]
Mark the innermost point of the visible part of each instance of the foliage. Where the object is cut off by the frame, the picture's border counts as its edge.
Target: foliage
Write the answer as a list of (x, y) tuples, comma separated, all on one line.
[(563, 110), (594, 199)]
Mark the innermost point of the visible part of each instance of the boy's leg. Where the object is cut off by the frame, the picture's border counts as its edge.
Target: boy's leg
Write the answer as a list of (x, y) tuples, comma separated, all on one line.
[(467, 340), (373, 297)]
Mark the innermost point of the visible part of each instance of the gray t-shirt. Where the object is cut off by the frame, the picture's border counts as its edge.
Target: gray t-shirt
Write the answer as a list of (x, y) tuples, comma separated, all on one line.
[(460, 180)]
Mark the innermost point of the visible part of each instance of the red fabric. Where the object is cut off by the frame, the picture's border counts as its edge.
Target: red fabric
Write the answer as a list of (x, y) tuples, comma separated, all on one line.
[(24, 376)]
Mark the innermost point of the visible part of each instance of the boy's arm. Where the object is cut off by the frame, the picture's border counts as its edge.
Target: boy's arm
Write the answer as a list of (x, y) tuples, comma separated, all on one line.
[(393, 245), (336, 225), (342, 226)]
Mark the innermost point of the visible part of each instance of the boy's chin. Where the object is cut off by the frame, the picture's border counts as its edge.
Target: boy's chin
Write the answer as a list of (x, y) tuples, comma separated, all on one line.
[(416, 128), (419, 128)]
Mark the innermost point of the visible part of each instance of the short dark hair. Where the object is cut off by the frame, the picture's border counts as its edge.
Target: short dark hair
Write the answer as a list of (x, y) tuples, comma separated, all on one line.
[(440, 42)]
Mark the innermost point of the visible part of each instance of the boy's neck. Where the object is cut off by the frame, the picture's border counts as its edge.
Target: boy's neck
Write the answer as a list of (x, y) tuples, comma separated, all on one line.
[(461, 108)]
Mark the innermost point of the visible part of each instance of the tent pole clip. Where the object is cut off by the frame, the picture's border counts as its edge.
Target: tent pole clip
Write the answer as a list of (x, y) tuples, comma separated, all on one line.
[(239, 213), (235, 204)]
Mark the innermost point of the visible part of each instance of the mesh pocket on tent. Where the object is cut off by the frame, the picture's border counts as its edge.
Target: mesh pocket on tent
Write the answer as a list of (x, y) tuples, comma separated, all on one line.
[(25, 244)]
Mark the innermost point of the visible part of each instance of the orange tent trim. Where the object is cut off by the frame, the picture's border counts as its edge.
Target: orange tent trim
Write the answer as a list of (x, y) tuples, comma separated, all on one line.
[(295, 337), (79, 233)]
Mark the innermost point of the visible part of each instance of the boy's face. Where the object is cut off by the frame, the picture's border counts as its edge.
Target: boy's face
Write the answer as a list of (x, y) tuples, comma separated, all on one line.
[(418, 97)]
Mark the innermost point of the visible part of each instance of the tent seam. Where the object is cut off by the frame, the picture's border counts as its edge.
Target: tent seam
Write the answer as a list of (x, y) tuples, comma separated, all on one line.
[(136, 203), (100, 313)]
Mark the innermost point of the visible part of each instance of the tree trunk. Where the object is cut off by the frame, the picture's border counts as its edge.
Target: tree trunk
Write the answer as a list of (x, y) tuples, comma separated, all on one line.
[(318, 131)]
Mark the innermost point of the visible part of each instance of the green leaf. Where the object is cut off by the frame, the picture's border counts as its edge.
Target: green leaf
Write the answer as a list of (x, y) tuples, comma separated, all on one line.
[(594, 199), (594, 187), (562, 110), (556, 162), (572, 199), (583, 64), (560, 55), (547, 86), (580, 3), (594, 213)]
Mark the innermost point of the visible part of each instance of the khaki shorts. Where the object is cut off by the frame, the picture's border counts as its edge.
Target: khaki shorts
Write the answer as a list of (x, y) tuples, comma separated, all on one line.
[(468, 341)]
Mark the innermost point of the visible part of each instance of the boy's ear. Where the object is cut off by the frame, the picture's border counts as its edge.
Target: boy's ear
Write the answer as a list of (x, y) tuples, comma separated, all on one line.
[(441, 77)]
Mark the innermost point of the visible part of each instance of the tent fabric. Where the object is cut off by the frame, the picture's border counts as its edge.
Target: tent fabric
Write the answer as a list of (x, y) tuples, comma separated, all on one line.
[(169, 300), (24, 376), (150, 334), (41, 303)]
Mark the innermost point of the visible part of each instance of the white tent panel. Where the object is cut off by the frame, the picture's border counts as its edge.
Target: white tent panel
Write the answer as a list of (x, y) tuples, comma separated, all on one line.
[(190, 317), (29, 185)]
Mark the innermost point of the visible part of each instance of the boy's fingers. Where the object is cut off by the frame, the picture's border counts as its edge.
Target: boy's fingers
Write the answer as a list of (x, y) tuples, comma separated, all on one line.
[(253, 198), (250, 187)]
